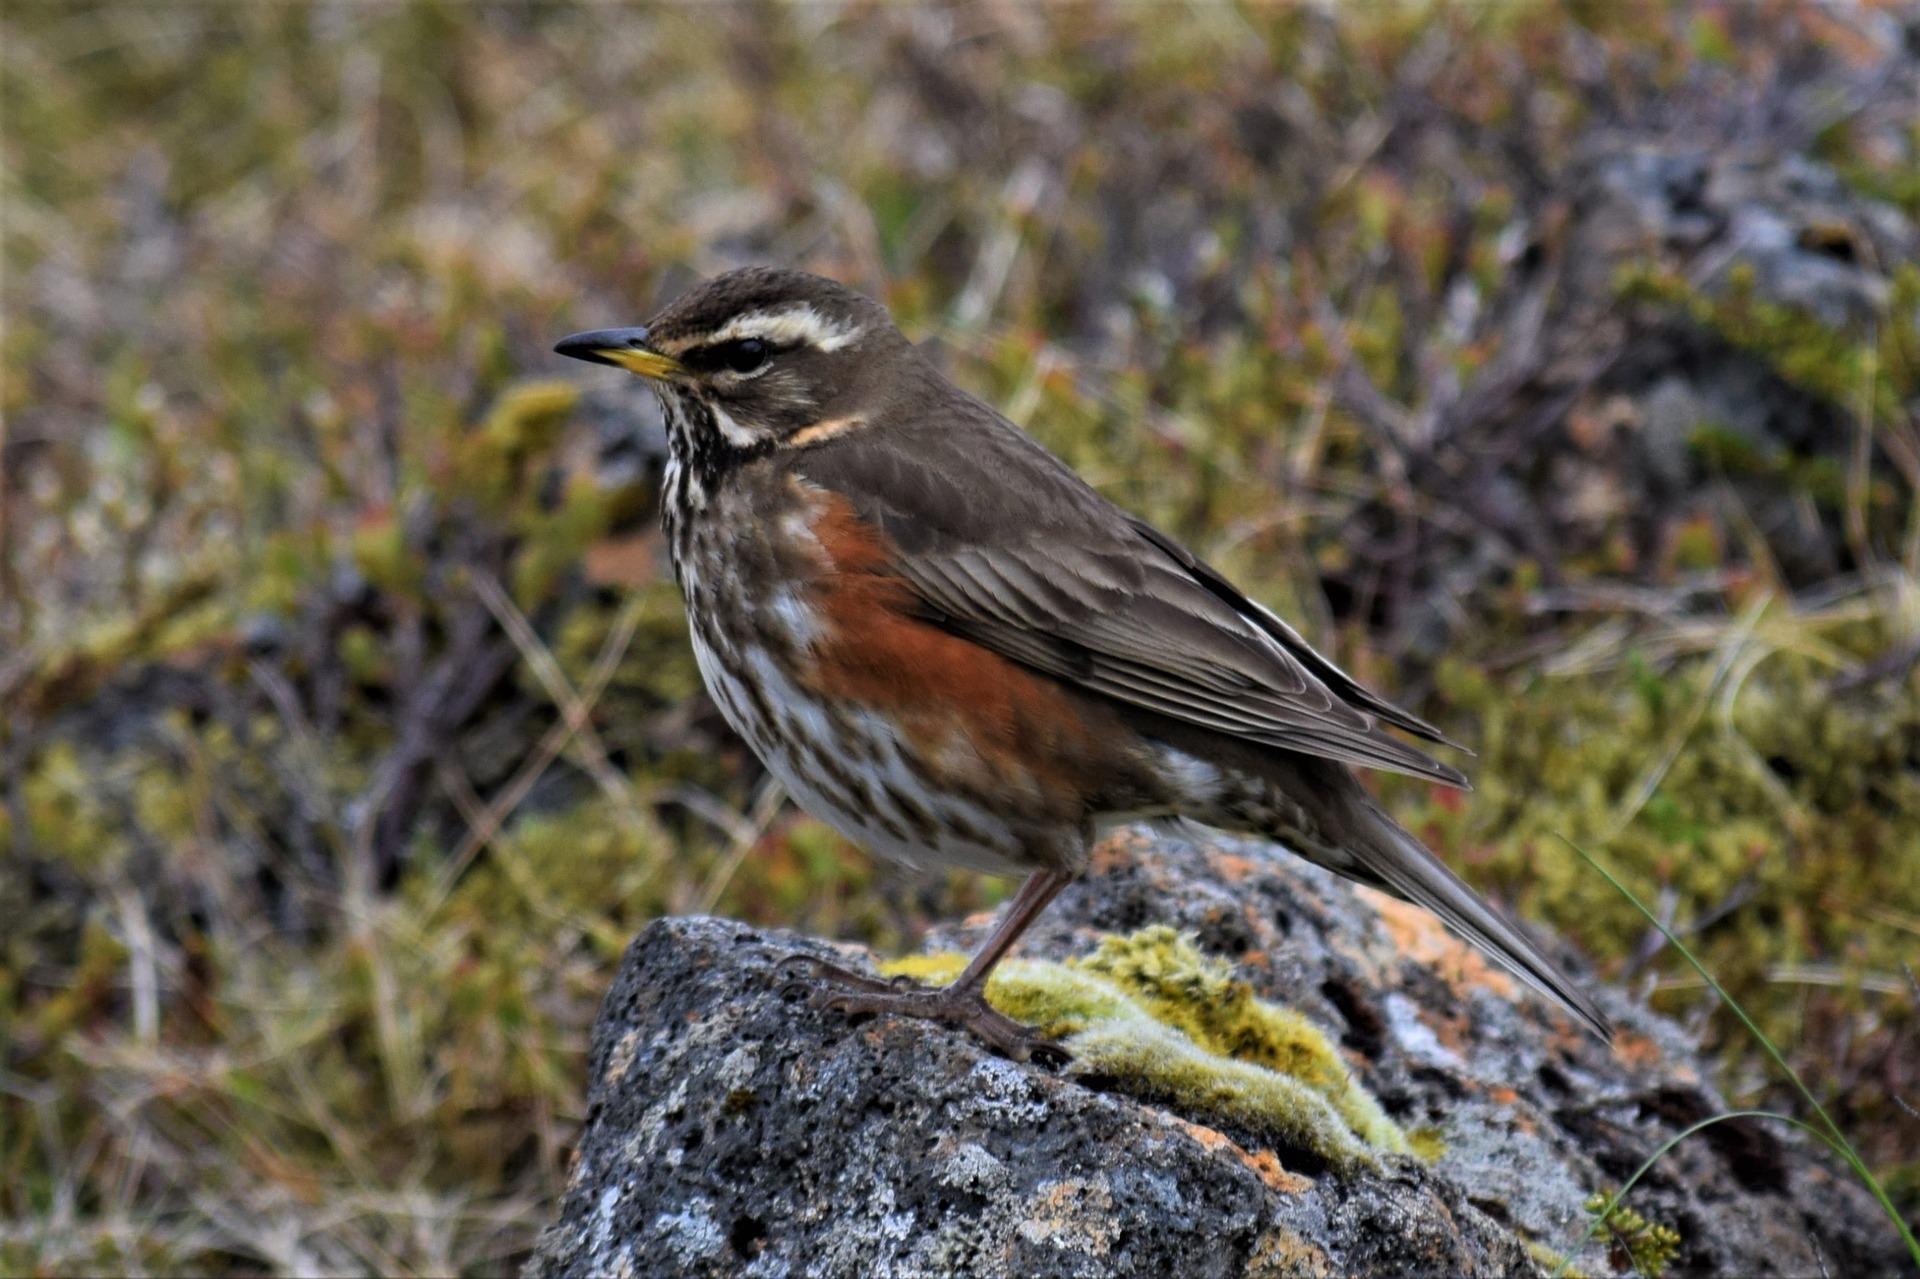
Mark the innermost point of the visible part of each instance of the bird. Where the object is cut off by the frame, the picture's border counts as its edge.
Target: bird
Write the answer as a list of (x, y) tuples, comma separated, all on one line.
[(950, 648)]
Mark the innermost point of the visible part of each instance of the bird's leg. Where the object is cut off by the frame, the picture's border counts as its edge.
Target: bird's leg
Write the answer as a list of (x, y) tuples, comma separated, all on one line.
[(963, 1002)]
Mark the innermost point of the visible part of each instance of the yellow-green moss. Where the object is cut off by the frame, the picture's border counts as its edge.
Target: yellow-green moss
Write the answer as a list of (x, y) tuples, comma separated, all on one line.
[(1149, 1011), (1427, 1142), (1554, 1263), (1816, 357), (530, 415), (1650, 1245), (65, 813)]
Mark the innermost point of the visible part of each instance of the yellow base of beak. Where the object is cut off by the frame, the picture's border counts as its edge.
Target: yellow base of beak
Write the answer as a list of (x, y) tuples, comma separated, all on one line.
[(645, 363)]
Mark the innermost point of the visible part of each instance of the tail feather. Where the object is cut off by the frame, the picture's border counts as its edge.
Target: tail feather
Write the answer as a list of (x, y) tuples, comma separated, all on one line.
[(1392, 859)]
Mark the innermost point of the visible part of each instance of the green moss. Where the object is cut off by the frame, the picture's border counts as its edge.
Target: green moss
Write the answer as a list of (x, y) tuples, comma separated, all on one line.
[(1554, 1263), (1837, 365), (381, 553), (1167, 1023), (1823, 479), (1428, 1143), (165, 804), (1737, 783), (1649, 1246), (588, 864), (1201, 997), (556, 539), (66, 812)]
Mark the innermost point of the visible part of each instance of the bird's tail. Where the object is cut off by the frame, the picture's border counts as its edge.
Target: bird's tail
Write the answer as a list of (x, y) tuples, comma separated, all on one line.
[(1387, 856)]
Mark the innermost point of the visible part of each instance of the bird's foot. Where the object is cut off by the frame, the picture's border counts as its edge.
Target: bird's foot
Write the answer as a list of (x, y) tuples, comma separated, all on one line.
[(836, 989)]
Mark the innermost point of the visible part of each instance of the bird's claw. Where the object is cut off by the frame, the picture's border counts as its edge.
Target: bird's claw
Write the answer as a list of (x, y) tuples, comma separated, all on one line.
[(828, 987), (813, 972), (966, 1010), (1048, 1055)]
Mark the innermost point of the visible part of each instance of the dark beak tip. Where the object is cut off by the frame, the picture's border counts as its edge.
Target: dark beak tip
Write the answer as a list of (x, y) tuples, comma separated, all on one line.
[(587, 346)]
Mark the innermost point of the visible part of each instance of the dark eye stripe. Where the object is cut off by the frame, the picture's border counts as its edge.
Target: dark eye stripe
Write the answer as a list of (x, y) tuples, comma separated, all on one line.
[(742, 355)]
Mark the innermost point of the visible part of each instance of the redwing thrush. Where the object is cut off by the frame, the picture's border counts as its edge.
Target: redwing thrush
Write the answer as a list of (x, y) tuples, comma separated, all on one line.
[(952, 650)]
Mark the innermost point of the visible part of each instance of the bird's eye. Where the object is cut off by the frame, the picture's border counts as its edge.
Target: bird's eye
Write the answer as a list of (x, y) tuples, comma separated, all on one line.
[(742, 356)]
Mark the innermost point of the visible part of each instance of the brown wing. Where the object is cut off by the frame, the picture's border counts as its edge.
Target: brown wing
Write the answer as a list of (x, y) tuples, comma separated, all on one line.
[(1005, 545)]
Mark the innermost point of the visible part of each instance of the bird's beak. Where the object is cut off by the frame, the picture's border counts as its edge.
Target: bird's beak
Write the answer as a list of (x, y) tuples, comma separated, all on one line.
[(624, 349)]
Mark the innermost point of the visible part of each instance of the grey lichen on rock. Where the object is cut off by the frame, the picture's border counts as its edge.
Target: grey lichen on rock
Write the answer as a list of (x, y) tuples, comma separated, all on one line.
[(1243, 1118)]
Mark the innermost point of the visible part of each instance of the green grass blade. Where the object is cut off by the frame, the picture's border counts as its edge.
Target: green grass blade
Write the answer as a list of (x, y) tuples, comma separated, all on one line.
[(1829, 1131), (1619, 1196)]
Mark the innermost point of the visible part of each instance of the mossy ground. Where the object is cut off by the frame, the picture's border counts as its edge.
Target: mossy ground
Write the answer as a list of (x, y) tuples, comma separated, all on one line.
[(335, 782)]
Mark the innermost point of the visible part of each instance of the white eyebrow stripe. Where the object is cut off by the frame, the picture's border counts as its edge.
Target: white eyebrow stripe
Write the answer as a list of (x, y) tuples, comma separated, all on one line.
[(799, 325)]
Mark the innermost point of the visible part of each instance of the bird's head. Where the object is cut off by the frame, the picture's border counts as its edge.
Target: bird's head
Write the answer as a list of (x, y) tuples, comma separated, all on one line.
[(760, 359)]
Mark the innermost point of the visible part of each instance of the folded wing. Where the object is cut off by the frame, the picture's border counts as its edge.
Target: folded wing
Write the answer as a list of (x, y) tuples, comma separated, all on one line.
[(1001, 543)]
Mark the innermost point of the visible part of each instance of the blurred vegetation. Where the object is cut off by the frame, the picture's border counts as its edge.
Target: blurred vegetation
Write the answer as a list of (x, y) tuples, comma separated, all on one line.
[(349, 729)]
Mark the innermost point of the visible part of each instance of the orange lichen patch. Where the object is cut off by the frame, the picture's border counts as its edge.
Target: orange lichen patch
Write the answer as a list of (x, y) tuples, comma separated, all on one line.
[(1061, 1195), (1454, 1032), (1634, 1049), (1211, 1140), (1233, 868), (620, 1060), (1282, 1254), (1502, 1095), (1268, 1166), (1420, 935), (1073, 1214), (1265, 1164), (1119, 849)]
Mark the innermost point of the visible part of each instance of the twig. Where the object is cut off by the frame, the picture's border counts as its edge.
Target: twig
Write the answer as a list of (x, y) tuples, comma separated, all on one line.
[(576, 712), (143, 975), (760, 816), (482, 830)]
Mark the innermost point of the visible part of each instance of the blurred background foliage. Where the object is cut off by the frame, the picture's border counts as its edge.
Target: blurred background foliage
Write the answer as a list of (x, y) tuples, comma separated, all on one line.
[(1555, 365)]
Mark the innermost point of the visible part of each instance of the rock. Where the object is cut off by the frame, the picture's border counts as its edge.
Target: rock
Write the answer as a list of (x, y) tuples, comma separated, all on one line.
[(1687, 402), (730, 1131), (1808, 240)]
